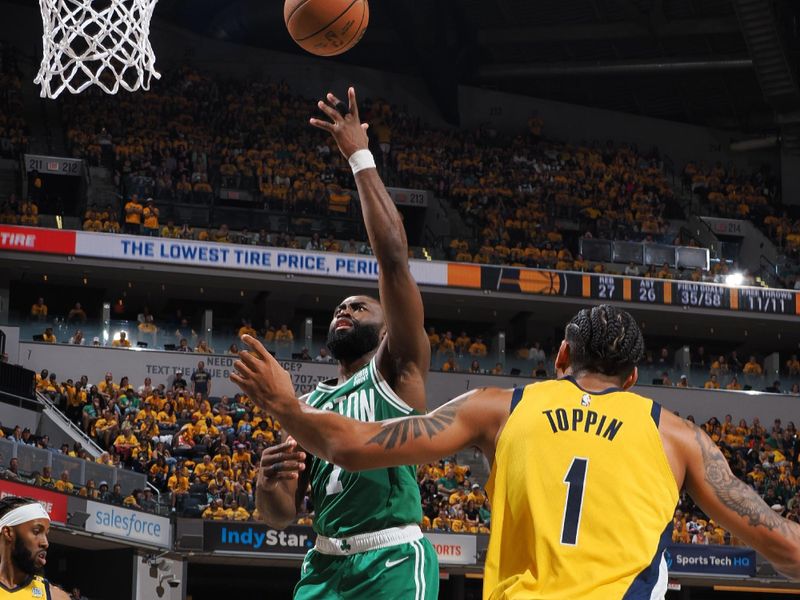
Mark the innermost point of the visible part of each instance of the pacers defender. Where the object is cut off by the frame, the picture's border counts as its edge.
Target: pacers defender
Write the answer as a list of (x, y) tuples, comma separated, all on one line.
[(369, 543), (24, 526), (585, 474)]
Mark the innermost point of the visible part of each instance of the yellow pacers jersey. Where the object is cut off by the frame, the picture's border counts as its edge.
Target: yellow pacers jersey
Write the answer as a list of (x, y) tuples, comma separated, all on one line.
[(35, 587), (582, 497)]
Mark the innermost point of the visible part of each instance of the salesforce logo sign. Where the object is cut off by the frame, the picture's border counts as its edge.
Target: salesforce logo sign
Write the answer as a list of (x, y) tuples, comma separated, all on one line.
[(128, 524)]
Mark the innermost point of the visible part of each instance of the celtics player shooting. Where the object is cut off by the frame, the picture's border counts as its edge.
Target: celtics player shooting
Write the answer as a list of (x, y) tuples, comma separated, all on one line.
[(369, 544)]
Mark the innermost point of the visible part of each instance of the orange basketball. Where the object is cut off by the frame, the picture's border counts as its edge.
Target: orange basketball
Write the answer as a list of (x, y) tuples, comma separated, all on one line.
[(326, 27)]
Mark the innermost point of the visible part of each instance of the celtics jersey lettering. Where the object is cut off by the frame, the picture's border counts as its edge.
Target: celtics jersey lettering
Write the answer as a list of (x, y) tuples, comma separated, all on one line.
[(349, 503)]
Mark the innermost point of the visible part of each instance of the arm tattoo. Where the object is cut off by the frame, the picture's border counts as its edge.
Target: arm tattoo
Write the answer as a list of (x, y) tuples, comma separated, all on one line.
[(398, 433), (733, 493)]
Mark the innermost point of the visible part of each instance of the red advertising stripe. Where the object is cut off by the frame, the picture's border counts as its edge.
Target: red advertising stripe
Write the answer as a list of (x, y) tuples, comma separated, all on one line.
[(54, 503), (35, 239)]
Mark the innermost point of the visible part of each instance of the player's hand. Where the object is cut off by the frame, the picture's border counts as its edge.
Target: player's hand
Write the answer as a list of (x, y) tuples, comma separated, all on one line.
[(280, 463), (348, 130), (260, 376)]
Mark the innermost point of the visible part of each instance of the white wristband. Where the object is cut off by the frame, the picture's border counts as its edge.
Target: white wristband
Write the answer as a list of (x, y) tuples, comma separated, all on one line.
[(360, 160)]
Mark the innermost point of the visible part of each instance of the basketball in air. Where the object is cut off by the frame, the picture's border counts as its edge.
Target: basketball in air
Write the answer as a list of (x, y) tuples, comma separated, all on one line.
[(326, 27)]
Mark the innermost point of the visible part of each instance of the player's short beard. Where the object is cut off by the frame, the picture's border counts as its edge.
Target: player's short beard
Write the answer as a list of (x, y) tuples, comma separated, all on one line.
[(23, 559), (351, 344)]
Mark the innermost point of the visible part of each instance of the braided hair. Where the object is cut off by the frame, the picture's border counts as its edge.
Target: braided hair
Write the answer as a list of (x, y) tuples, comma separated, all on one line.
[(604, 339), (9, 503)]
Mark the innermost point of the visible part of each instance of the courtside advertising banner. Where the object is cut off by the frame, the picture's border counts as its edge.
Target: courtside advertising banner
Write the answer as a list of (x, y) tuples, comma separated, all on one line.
[(37, 240), (251, 537), (716, 561), (129, 525), (335, 265), (54, 503), (161, 367), (246, 258), (230, 536), (454, 549)]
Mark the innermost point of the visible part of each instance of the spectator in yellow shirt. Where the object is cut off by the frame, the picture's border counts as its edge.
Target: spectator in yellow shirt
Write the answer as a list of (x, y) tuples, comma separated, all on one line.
[(126, 443), (734, 384), (122, 342), (463, 342), (478, 348), (447, 346), (247, 329), (751, 367), (712, 383), (476, 496), (205, 470), (237, 513), (39, 310), (48, 336), (215, 511), (178, 484), (133, 216), (132, 500), (450, 365), (150, 215), (284, 335), (64, 484), (434, 339)]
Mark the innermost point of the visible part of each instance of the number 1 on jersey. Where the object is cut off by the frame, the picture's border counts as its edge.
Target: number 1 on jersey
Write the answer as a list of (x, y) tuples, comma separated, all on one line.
[(575, 480)]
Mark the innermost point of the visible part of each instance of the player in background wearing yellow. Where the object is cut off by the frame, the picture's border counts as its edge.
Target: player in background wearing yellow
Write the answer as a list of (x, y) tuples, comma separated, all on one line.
[(24, 526), (585, 474)]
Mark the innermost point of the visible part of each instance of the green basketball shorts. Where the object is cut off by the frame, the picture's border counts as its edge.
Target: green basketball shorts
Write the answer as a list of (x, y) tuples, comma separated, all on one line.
[(404, 571)]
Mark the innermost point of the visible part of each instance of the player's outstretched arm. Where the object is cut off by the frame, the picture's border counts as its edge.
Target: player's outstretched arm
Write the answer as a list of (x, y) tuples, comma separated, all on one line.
[(406, 340), (473, 419), (735, 505)]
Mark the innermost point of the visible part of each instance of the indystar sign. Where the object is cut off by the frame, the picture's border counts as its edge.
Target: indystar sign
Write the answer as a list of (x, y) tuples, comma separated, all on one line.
[(256, 537)]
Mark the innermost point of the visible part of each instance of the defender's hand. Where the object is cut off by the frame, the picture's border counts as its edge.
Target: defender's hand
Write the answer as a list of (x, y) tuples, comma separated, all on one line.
[(262, 378), (280, 462), (348, 130)]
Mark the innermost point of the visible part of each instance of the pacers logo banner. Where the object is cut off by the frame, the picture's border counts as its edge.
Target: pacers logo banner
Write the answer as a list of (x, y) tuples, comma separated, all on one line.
[(696, 559)]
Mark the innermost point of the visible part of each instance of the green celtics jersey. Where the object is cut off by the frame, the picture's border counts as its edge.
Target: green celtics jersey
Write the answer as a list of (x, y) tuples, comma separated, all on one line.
[(349, 503)]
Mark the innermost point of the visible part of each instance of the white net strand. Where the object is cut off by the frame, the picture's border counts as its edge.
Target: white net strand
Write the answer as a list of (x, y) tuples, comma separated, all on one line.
[(96, 42)]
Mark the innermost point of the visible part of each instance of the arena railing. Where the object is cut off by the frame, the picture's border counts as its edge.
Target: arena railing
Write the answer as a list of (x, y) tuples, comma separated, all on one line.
[(31, 460)]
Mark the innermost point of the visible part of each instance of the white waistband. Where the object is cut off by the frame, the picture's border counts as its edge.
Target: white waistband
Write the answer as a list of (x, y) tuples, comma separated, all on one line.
[(368, 541)]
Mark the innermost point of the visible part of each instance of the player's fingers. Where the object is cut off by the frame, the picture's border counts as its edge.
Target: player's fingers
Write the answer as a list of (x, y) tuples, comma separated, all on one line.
[(340, 106), (256, 346), (268, 461), (330, 111), (252, 362), (283, 467), (278, 448), (351, 97), (243, 370), (281, 475), (318, 123)]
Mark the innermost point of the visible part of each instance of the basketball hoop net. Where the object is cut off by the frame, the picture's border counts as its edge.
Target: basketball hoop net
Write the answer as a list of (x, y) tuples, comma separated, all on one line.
[(96, 42)]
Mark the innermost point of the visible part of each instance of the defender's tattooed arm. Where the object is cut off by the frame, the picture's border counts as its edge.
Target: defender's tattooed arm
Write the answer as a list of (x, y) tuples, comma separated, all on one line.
[(735, 505)]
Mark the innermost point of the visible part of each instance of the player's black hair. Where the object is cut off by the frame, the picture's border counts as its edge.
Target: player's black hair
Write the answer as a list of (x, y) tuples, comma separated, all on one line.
[(9, 503), (604, 339)]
